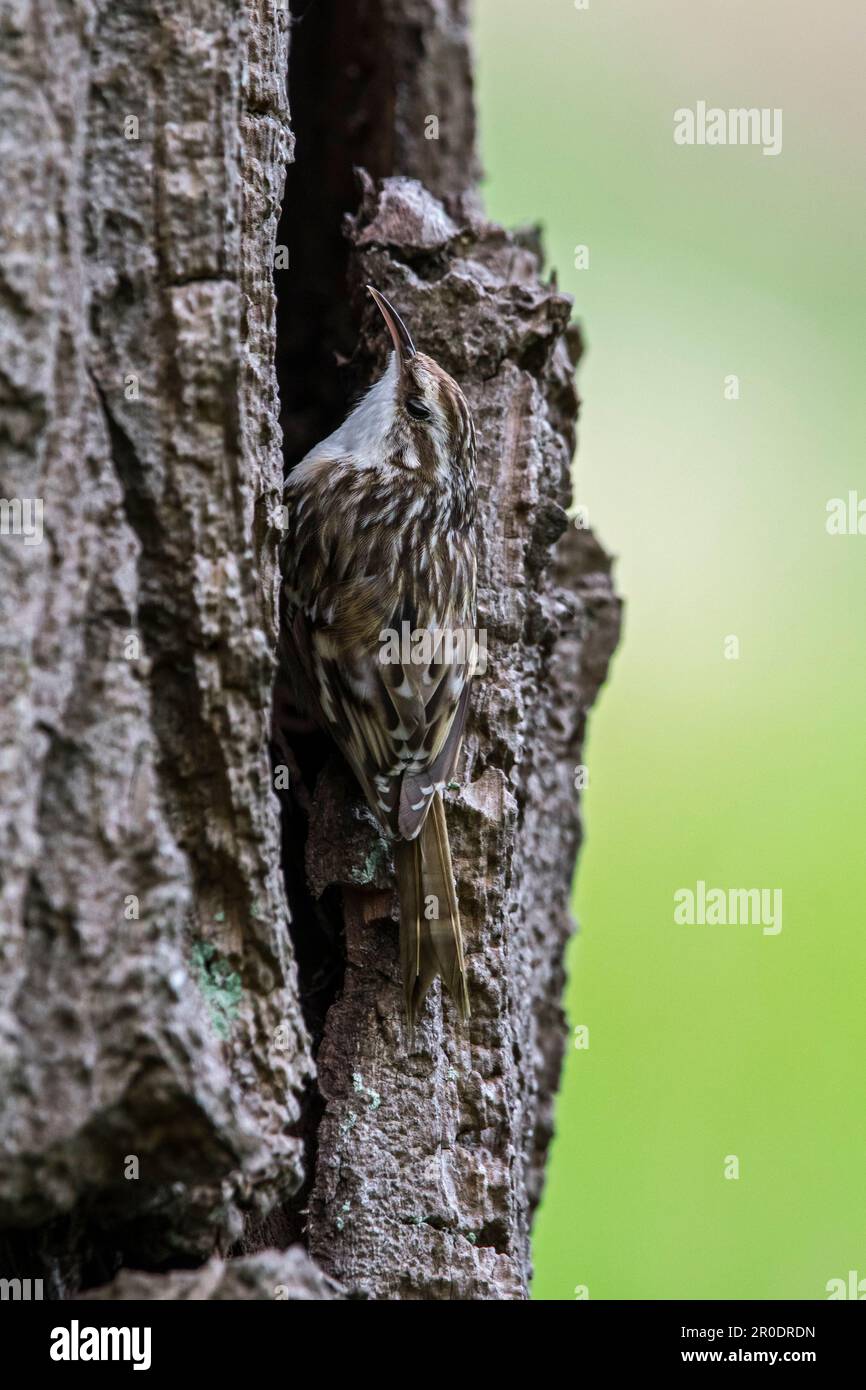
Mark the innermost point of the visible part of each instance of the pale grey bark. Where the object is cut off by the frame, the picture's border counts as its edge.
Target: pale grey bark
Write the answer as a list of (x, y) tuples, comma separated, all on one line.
[(138, 357), (137, 400), (287, 1275)]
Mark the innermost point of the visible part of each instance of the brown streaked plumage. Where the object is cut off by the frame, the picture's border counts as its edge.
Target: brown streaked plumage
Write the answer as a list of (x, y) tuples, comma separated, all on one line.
[(378, 607)]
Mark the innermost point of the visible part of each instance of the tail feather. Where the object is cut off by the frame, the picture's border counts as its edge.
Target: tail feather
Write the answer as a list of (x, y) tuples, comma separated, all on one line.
[(431, 942)]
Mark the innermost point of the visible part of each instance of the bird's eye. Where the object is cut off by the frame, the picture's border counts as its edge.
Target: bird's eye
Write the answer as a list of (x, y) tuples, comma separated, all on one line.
[(417, 409)]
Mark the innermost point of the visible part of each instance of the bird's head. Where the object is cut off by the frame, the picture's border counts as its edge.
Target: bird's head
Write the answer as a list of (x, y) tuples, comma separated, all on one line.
[(429, 424)]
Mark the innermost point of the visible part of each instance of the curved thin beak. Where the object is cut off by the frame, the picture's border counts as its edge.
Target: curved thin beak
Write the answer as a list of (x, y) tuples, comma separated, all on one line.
[(403, 345)]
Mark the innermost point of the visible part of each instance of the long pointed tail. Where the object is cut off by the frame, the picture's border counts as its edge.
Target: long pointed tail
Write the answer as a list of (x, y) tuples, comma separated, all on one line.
[(431, 942)]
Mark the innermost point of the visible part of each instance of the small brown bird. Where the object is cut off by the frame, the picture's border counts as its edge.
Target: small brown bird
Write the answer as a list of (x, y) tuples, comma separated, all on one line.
[(378, 598)]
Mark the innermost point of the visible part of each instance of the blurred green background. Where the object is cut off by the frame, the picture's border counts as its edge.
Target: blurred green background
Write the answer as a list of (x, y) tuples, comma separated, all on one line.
[(707, 1041)]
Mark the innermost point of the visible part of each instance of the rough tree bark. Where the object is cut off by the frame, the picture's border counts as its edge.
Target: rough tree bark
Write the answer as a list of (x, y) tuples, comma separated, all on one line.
[(159, 1011)]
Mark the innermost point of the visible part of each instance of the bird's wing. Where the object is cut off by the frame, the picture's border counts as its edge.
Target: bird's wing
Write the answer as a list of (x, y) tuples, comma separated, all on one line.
[(445, 716), (398, 722), (396, 715)]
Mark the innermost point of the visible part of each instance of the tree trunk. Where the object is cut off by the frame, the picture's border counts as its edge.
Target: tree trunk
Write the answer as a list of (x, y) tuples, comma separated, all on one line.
[(161, 1008)]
